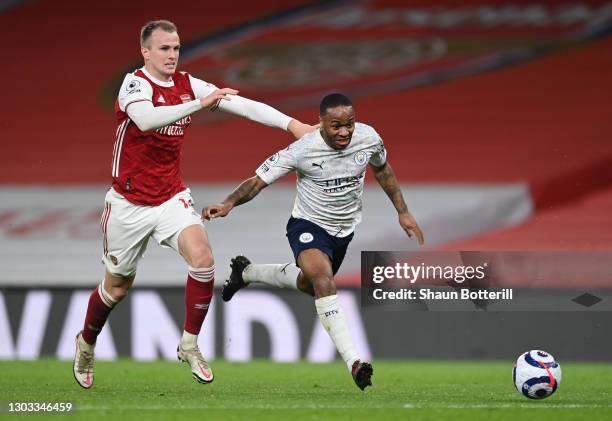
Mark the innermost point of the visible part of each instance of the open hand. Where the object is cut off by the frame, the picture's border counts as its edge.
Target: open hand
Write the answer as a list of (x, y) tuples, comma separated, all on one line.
[(410, 226), (212, 101)]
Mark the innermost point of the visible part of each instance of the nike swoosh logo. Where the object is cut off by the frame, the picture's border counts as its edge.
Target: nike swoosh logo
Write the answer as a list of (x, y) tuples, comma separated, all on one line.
[(284, 268), (207, 376)]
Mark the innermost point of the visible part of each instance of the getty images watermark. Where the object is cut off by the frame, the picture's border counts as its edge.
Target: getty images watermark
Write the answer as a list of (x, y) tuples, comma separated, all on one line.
[(459, 275), (500, 281)]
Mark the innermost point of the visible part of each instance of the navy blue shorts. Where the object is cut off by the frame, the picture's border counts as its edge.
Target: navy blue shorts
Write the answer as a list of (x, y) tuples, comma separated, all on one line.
[(304, 235)]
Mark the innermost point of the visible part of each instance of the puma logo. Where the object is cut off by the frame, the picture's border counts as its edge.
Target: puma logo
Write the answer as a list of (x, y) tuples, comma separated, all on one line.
[(314, 164)]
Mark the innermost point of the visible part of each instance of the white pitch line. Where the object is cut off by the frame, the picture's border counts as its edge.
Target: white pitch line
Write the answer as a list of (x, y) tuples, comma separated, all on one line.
[(505, 406), (209, 407), (332, 406)]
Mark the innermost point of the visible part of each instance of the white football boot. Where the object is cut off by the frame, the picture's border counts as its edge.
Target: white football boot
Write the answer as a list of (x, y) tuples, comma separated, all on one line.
[(200, 369), (83, 362)]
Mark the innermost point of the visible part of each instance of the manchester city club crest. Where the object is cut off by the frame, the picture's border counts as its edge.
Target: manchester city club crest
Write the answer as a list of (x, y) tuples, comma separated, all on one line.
[(360, 158), (306, 237)]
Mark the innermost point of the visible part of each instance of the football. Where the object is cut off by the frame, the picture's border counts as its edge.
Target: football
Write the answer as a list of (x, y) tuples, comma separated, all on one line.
[(536, 374)]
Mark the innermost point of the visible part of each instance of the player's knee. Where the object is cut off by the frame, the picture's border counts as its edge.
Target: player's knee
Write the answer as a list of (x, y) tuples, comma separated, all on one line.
[(202, 258), (119, 292), (323, 286), (323, 279), (116, 286), (112, 294)]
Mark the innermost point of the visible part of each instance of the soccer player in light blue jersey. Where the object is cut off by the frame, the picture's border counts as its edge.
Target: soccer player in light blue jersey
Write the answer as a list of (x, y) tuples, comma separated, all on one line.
[(330, 164)]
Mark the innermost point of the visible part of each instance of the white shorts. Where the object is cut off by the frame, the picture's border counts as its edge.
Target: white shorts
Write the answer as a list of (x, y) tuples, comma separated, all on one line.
[(127, 228)]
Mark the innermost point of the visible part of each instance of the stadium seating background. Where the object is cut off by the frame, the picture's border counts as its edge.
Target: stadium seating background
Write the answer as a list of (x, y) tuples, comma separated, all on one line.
[(544, 122)]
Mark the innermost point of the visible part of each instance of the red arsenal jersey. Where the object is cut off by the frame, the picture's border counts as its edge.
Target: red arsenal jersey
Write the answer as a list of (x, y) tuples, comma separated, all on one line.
[(147, 165)]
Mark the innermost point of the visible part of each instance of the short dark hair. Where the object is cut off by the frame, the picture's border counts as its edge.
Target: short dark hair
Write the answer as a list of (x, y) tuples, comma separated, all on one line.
[(333, 100), (149, 27)]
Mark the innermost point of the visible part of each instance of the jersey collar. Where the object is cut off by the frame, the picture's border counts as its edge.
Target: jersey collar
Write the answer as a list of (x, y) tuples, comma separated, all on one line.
[(165, 84)]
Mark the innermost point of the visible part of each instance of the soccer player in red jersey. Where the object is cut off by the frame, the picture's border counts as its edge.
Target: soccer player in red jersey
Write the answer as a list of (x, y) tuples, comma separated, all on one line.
[(148, 197)]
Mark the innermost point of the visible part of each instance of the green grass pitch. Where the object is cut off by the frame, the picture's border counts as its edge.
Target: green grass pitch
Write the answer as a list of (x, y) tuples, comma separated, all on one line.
[(412, 390)]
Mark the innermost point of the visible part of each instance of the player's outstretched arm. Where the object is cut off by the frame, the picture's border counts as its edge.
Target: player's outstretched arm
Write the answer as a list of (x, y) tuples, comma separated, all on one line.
[(386, 178), (266, 115), (147, 117), (299, 129), (246, 191), (253, 110)]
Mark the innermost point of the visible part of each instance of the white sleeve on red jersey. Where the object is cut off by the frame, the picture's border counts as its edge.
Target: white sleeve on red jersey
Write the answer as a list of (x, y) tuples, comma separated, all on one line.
[(147, 117), (201, 88), (242, 106), (134, 89)]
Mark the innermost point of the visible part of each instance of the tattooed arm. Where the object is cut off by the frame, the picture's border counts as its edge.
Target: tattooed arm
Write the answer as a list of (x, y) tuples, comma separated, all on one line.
[(386, 178), (246, 191)]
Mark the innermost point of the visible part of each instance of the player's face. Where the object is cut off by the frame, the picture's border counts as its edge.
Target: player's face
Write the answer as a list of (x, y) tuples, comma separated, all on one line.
[(337, 126), (161, 53)]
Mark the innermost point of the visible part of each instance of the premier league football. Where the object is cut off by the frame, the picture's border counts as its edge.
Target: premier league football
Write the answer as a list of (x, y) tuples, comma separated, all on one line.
[(536, 374)]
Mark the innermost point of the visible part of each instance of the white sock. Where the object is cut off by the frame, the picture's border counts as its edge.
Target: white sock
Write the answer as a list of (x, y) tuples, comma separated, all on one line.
[(84, 345), (189, 340), (333, 321), (281, 276)]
